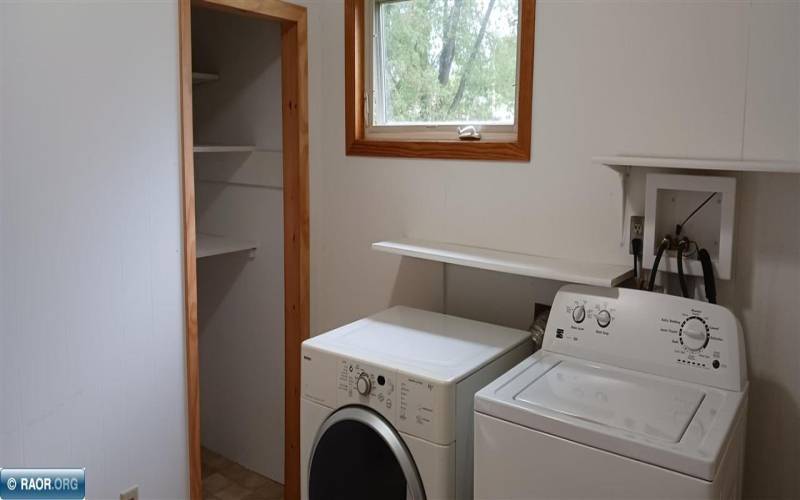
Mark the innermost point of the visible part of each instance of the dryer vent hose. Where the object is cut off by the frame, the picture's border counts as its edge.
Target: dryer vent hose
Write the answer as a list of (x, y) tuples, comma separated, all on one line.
[(538, 327)]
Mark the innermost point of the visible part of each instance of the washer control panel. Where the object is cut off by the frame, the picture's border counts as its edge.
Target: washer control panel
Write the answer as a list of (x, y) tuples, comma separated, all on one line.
[(696, 339), (590, 315), (656, 333), (694, 333)]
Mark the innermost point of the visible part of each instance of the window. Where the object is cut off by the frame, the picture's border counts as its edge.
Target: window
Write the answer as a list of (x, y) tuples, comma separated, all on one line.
[(422, 74)]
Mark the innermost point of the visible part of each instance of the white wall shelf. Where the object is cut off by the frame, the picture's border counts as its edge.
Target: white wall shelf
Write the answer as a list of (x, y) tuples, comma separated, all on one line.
[(700, 164), (209, 245), (223, 149), (589, 273), (198, 78)]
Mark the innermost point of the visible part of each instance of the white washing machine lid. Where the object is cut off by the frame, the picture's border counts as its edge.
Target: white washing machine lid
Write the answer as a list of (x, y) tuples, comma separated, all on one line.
[(672, 424), (437, 346), (624, 400)]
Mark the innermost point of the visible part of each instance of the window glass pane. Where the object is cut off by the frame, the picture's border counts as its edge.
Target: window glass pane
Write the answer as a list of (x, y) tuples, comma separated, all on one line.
[(445, 61)]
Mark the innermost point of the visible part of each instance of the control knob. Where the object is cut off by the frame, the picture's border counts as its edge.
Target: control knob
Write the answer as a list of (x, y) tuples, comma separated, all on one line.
[(603, 318), (578, 314), (694, 333), (363, 384)]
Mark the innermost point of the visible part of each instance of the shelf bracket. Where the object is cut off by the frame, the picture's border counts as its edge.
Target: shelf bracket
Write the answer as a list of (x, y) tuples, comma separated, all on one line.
[(624, 179)]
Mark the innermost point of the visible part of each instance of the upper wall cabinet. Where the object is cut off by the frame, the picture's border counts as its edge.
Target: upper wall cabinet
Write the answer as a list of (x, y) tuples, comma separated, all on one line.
[(731, 102), (772, 102), (439, 78)]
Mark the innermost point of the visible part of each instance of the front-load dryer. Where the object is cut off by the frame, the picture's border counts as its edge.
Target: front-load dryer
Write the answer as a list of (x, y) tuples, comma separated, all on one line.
[(387, 404), (633, 395)]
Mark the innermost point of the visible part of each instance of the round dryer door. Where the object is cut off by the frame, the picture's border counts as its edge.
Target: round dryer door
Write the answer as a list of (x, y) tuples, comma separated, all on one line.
[(359, 455)]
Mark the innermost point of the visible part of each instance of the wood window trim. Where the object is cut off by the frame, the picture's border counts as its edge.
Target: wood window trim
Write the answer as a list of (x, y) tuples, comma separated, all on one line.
[(294, 90), (357, 144)]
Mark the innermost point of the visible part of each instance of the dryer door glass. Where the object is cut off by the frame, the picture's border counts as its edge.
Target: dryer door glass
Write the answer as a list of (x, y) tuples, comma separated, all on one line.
[(358, 455)]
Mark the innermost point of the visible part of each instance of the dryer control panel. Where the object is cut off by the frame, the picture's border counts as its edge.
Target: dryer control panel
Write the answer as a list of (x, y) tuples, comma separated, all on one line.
[(360, 383), (411, 403), (661, 334)]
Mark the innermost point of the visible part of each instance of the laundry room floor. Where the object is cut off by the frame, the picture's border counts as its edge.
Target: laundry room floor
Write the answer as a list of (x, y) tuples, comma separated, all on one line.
[(224, 479)]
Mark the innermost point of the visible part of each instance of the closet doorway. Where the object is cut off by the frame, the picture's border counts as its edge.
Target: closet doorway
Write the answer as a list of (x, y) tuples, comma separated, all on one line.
[(230, 171)]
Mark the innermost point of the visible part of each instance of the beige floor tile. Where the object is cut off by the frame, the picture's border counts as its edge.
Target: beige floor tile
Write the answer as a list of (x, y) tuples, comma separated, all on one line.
[(224, 479), (270, 491), (214, 483), (255, 496), (215, 460), (259, 496), (233, 492), (252, 480), (235, 472)]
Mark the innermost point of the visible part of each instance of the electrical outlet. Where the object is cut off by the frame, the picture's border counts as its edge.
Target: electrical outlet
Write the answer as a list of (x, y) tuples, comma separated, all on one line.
[(636, 230), (130, 494)]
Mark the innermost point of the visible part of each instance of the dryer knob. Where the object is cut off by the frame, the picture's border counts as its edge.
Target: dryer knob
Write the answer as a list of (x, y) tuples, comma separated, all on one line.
[(363, 384)]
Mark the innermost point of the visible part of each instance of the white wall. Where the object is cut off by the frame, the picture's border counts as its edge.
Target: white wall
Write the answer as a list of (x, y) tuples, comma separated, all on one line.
[(713, 78), (765, 294), (240, 304), (92, 365)]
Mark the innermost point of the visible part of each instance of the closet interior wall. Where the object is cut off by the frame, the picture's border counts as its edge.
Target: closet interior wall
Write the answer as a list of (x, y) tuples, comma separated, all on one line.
[(240, 195)]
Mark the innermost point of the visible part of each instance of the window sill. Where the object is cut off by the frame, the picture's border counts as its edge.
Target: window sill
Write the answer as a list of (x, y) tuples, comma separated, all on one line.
[(440, 149), (435, 136)]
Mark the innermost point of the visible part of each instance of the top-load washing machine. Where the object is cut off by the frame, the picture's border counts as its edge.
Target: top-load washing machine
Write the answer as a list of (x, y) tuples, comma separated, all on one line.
[(387, 404), (633, 395)]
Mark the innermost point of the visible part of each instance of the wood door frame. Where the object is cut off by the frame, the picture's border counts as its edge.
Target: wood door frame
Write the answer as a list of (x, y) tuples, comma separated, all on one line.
[(294, 85)]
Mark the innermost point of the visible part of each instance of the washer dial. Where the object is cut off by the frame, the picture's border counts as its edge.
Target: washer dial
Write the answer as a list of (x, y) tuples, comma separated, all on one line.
[(578, 314), (694, 333), (603, 318)]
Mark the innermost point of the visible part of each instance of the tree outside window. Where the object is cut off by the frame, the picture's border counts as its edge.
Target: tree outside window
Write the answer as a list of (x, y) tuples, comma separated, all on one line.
[(445, 62)]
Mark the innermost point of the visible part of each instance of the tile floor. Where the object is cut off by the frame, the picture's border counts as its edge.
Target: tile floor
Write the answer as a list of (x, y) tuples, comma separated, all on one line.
[(224, 479)]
